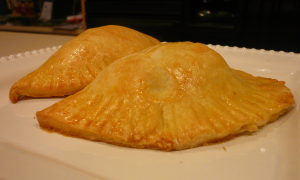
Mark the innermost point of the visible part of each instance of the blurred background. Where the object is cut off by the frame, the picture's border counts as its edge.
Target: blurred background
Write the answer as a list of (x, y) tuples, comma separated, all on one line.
[(260, 24)]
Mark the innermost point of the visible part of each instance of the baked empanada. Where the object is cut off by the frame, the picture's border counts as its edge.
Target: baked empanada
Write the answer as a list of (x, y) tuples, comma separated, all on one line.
[(79, 61), (172, 96)]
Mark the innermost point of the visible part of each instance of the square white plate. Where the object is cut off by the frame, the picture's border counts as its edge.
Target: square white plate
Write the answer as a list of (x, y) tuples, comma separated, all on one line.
[(27, 152)]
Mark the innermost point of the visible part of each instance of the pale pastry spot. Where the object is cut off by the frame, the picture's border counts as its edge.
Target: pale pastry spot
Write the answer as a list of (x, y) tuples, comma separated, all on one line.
[(159, 83)]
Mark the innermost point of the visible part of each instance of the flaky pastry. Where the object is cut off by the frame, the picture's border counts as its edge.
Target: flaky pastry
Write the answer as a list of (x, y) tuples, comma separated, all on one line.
[(172, 96), (79, 61)]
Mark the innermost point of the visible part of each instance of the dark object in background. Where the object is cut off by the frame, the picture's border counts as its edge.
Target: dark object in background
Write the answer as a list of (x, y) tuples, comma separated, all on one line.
[(260, 24), (272, 25), (171, 20), (158, 18), (3, 8), (214, 11), (62, 8)]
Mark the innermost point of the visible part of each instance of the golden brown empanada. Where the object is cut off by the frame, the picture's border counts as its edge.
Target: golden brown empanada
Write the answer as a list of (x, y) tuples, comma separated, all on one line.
[(169, 97), (79, 61)]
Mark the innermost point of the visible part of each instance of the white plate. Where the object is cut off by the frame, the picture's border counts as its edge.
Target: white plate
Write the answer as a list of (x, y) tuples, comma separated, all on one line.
[(27, 152)]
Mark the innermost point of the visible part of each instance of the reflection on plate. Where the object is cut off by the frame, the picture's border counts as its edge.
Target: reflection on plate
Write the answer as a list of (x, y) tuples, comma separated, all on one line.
[(26, 151)]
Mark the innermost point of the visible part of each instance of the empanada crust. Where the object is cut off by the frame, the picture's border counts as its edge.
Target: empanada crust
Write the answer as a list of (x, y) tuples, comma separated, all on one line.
[(169, 97), (79, 61)]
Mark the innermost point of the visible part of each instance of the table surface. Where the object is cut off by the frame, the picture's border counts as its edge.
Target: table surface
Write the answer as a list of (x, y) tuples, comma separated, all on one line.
[(17, 42)]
